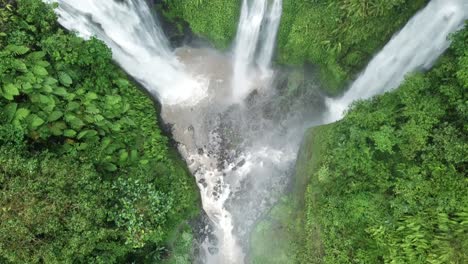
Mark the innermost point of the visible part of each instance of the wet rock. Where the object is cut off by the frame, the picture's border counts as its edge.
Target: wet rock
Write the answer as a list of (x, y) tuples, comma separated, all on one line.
[(213, 250), (200, 151), (203, 183)]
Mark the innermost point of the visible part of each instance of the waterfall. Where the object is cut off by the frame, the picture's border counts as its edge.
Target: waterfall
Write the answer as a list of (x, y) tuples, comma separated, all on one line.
[(138, 45), (254, 44), (242, 156), (271, 30), (416, 47), (231, 158)]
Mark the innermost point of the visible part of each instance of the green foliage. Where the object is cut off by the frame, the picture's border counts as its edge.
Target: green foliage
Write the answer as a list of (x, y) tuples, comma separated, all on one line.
[(213, 19), (270, 240), (389, 182), (339, 36), (50, 212), (85, 170)]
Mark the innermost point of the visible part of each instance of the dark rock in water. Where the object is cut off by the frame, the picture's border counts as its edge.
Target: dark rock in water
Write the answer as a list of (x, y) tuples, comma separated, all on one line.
[(213, 250), (203, 183), (241, 163), (200, 151)]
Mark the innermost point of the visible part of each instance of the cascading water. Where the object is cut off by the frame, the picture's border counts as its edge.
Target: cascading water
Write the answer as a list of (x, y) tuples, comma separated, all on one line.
[(416, 47), (254, 44), (269, 35), (241, 156), (137, 44), (224, 145)]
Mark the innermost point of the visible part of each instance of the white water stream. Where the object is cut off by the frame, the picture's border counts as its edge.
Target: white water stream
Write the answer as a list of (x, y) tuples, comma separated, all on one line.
[(194, 88), (254, 44), (138, 45), (241, 155), (416, 47)]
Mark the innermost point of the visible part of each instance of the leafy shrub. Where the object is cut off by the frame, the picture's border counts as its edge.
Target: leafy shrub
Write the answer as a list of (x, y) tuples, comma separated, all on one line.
[(214, 19), (395, 188), (339, 36), (78, 138)]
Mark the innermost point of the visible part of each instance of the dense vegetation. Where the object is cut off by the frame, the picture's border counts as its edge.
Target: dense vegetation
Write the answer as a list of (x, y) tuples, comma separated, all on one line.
[(86, 176), (214, 19), (388, 183), (338, 36)]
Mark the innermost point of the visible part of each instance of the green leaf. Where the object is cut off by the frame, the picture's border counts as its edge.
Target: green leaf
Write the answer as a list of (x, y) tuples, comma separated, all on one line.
[(72, 106), (76, 123), (7, 96), (21, 114), (106, 142), (60, 91), (70, 133), (43, 63), (35, 56), (50, 81), (122, 83), (87, 134), (10, 90), (39, 70), (92, 109), (35, 121), (19, 66), (113, 99), (9, 111), (17, 50), (44, 99), (123, 156), (133, 155), (91, 96), (82, 146), (47, 89), (26, 87), (57, 128), (65, 79), (109, 167), (54, 116)]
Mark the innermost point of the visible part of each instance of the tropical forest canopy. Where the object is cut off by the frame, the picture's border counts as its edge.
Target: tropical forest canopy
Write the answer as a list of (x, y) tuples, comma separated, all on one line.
[(88, 176)]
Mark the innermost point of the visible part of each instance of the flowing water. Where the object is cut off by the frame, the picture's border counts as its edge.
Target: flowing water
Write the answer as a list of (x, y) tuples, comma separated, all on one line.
[(416, 47), (237, 129), (254, 44), (138, 45), (267, 46)]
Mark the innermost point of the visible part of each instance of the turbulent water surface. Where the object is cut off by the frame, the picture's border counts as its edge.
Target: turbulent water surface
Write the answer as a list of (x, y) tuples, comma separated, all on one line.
[(237, 131)]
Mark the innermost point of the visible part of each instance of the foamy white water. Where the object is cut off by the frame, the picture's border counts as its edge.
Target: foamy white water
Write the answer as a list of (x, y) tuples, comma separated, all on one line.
[(416, 47), (254, 44), (137, 44)]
